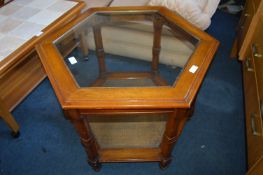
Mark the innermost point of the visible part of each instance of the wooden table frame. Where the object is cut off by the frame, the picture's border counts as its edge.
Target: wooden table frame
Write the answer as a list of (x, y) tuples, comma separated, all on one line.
[(162, 154), (22, 71), (177, 101)]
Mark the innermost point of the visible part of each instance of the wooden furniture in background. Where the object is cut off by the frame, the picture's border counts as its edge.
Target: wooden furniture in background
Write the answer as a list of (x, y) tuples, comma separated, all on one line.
[(257, 168), (20, 79), (250, 28), (9, 119), (253, 89), (22, 71), (250, 52), (245, 28), (96, 107)]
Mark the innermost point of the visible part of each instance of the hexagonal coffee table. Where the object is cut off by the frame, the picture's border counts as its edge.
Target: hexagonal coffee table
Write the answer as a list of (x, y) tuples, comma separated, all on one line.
[(128, 102)]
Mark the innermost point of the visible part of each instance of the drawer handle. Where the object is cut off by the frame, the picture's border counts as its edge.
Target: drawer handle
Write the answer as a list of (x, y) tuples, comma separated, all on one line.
[(248, 65), (246, 14), (255, 51), (253, 125)]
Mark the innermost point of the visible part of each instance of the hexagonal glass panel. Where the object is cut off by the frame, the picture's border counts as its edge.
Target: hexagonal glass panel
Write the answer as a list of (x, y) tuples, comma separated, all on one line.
[(126, 49)]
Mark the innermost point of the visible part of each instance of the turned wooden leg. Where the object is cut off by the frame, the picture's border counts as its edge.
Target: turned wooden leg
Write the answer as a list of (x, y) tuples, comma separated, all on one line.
[(9, 119), (96, 166), (99, 49), (66, 114), (174, 126), (158, 25), (84, 47), (86, 137), (234, 50), (191, 110)]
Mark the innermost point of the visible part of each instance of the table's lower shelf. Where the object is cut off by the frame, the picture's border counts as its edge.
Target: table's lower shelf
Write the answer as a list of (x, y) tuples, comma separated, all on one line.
[(146, 135), (129, 79), (130, 155)]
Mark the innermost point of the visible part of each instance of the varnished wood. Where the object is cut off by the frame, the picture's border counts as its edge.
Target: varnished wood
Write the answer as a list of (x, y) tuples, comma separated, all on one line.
[(174, 97), (130, 155), (83, 43), (176, 101), (157, 26), (246, 28), (86, 137), (22, 71), (257, 168), (251, 53), (68, 44), (8, 118), (126, 75), (18, 81), (155, 77), (99, 81), (99, 49), (74, 40), (16, 56), (257, 53), (255, 142), (173, 129), (159, 80), (124, 112), (137, 17), (234, 50)]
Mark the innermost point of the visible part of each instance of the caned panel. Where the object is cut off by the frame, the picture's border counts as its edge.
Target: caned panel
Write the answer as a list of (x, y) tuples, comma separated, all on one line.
[(131, 131)]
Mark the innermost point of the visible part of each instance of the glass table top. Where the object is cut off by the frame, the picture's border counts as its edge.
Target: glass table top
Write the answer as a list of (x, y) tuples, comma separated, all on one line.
[(126, 49)]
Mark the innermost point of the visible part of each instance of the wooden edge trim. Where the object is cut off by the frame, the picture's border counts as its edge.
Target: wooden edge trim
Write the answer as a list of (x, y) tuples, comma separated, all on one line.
[(42, 53), (124, 112), (205, 64)]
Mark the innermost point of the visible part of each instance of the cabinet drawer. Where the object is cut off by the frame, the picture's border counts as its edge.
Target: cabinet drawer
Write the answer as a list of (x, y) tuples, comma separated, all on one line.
[(245, 21), (257, 49), (253, 113), (257, 169)]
